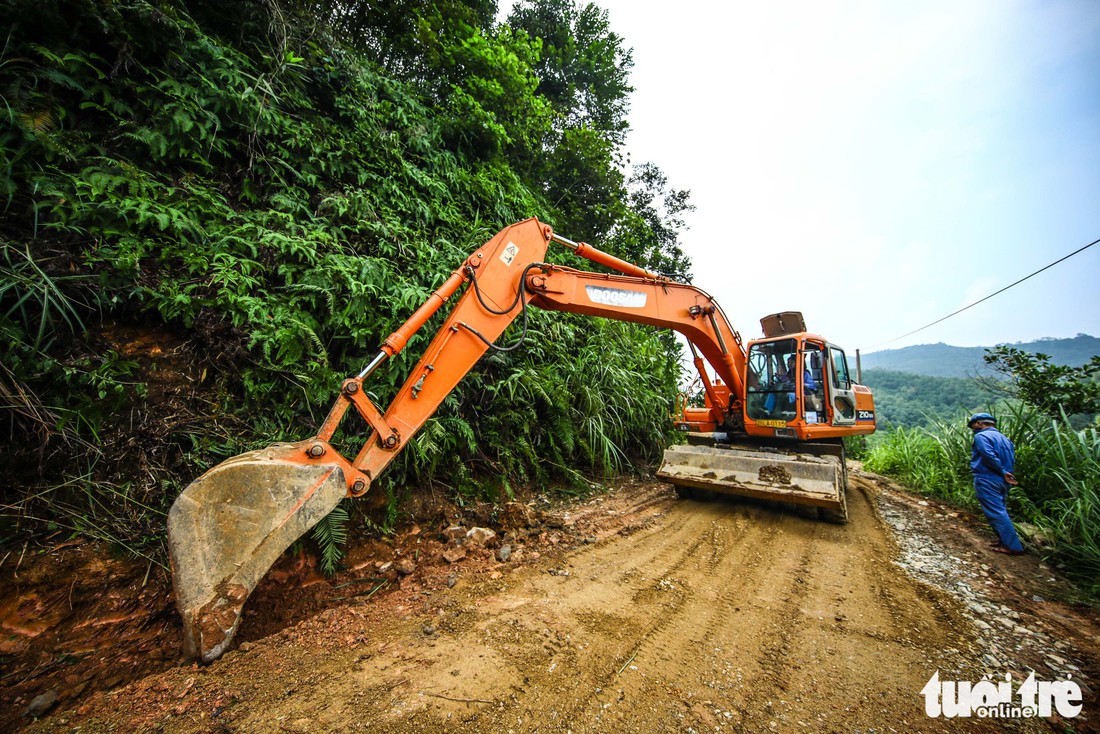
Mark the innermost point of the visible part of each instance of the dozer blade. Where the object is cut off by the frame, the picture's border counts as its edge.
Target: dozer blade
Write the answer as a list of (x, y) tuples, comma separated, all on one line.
[(228, 527), (779, 476)]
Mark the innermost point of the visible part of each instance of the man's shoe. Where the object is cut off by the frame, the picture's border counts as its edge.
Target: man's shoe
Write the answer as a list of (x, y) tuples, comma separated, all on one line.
[(1009, 552)]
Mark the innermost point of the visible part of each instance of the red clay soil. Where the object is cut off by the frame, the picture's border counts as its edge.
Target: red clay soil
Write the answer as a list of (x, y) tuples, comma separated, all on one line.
[(627, 611)]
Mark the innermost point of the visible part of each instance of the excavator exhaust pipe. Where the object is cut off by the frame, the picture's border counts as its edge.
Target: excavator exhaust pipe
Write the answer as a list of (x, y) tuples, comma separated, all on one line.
[(231, 524)]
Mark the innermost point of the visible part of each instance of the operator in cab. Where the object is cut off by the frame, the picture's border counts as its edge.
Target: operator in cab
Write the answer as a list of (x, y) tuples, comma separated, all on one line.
[(787, 379)]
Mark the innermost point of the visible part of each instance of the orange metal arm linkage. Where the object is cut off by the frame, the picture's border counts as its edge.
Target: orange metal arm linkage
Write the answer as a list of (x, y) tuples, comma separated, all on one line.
[(589, 252), (350, 393), (499, 267), (704, 378), (508, 270)]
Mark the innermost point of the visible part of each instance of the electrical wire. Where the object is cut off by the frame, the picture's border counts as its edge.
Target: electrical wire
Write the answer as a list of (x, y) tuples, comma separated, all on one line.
[(980, 300)]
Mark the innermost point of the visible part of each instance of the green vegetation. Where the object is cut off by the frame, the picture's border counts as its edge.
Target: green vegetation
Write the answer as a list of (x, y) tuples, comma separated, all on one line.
[(1058, 467), (1054, 389), (214, 212), (908, 400)]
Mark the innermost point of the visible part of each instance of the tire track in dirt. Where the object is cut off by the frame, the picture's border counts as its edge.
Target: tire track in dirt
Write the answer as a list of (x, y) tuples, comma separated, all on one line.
[(701, 616), (696, 581), (751, 569)]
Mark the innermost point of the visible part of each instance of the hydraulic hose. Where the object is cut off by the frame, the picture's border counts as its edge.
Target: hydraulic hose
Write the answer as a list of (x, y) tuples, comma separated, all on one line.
[(519, 299)]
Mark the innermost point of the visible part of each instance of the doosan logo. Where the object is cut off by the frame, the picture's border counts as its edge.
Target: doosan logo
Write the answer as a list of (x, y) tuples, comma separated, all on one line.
[(988, 700)]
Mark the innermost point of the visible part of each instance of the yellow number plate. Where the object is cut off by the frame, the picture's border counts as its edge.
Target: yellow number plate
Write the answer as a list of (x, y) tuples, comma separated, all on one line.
[(772, 424)]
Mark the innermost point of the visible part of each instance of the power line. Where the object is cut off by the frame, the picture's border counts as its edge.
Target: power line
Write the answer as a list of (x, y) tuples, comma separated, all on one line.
[(972, 305)]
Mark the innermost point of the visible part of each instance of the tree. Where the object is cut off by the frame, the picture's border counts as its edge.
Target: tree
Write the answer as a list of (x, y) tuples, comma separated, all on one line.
[(261, 191), (406, 37), (649, 233), (584, 66), (1052, 388), (582, 73)]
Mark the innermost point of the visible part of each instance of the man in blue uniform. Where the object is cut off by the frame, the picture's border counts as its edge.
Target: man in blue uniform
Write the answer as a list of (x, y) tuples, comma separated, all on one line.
[(992, 459)]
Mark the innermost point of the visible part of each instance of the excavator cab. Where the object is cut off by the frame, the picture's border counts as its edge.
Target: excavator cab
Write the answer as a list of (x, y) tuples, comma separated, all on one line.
[(780, 382), (785, 445), (798, 386), (787, 383)]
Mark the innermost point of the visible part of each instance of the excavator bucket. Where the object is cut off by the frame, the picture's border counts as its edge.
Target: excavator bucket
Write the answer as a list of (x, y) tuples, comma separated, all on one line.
[(228, 527), (770, 474)]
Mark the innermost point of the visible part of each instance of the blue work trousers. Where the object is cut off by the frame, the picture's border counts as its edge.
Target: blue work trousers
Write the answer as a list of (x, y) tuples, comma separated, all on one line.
[(992, 493), (769, 403)]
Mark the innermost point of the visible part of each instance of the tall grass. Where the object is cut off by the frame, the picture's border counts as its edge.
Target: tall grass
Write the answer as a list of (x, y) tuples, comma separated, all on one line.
[(918, 458), (1075, 515), (1058, 469)]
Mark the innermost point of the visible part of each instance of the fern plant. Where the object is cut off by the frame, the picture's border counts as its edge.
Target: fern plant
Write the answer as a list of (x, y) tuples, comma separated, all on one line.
[(331, 535)]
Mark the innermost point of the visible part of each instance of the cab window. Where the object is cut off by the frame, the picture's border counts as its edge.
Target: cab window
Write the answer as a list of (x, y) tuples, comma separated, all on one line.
[(840, 370), (770, 381)]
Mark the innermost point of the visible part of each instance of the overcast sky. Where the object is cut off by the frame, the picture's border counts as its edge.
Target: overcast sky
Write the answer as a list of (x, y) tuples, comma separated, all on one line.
[(878, 165)]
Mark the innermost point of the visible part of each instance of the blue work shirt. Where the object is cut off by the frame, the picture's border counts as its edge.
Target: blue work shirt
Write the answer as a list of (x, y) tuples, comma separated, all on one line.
[(992, 454), (788, 379)]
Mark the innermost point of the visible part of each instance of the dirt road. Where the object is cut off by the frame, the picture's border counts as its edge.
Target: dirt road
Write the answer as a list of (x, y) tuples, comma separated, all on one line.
[(656, 615)]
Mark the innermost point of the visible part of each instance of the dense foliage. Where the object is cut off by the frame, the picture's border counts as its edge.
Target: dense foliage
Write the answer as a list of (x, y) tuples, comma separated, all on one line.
[(1054, 389), (214, 212)]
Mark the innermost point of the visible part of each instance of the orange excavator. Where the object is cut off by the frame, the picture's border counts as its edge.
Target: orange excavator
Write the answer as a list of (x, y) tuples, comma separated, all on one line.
[(770, 424)]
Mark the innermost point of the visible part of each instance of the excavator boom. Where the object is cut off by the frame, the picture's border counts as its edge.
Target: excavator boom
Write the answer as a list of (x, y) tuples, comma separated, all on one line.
[(228, 527)]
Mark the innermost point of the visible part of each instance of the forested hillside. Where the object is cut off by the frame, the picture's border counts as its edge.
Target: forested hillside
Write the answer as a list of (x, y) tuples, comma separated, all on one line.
[(215, 211), (944, 360), (935, 381), (906, 399)]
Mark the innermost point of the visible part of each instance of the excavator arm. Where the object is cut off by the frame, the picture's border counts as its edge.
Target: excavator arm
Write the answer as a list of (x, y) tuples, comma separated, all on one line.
[(507, 275), (231, 524), (661, 303)]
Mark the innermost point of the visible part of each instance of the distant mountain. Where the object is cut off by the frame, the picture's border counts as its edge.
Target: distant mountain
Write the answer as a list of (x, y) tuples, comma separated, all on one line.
[(944, 360)]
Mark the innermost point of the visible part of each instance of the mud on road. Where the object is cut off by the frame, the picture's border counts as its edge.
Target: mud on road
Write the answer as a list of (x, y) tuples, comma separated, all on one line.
[(656, 614)]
